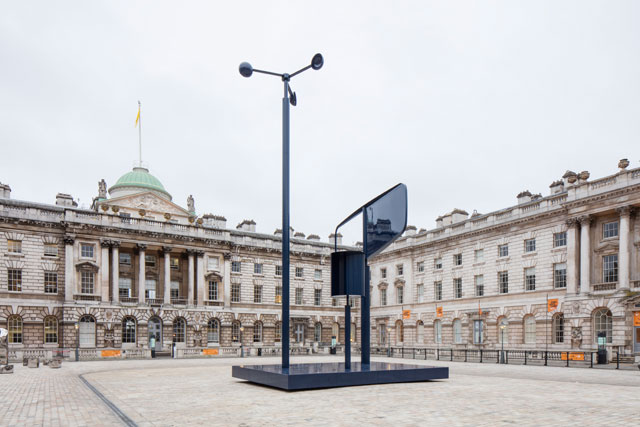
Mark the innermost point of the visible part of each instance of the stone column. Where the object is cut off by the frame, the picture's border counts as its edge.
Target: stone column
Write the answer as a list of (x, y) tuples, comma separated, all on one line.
[(624, 255), (104, 269), (226, 281), (69, 271), (191, 281), (585, 253), (166, 250), (572, 256), (115, 271), (200, 277), (141, 272)]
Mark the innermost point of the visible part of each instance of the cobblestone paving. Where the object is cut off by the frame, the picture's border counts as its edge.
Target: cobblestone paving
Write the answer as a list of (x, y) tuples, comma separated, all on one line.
[(202, 392)]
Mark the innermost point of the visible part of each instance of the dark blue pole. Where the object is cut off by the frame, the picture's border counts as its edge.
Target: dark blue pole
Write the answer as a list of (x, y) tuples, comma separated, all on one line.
[(285, 224), (365, 325), (347, 335)]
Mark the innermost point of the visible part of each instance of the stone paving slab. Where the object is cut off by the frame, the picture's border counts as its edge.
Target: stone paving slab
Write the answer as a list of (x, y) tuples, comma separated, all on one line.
[(202, 392)]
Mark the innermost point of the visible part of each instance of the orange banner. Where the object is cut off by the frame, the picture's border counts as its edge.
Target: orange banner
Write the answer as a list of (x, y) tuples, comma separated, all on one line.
[(636, 318), (110, 353), (552, 304), (406, 314), (439, 311), (573, 356), (210, 351)]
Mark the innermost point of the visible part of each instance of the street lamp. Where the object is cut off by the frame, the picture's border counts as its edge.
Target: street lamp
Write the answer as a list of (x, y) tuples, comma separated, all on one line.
[(502, 328), (246, 70), (77, 341), (241, 349), (388, 341)]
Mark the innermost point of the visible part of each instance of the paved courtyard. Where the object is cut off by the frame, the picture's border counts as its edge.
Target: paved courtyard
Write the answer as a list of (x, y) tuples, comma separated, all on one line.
[(202, 392)]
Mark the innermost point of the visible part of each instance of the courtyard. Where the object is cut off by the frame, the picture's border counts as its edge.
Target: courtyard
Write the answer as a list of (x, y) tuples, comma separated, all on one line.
[(165, 392)]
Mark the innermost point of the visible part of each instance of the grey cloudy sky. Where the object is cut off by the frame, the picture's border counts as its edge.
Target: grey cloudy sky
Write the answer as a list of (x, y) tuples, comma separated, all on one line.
[(468, 103)]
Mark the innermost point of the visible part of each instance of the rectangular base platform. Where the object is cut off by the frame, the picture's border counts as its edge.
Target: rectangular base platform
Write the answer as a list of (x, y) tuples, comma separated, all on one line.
[(306, 376)]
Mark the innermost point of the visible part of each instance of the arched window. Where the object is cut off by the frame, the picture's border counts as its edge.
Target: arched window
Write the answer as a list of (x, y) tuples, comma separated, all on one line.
[(50, 330), (278, 332), (420, 332), (179, 330), (529, 330), (558, 328), (317, 332), (602, 322), (503, 331), (235, 332), (14, 324), (213, 331), (257, 331), (354, 332), (128, 330), (399, 332), (87, 331), (437, 331), (457, 331), (335, 331)]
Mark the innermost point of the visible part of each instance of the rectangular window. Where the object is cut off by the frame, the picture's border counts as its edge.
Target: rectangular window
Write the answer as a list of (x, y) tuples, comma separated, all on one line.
[(317, 274), (299, 272), (530, 245), (150, 260), (236, 267), (278, 299), (14, 246), (420, 292), (213, 263), (86, 282), (503, 250), (437, 290), (50, 249), (174, 263), (503, 282), (278, 270), (175, 289), (14, 279), (125, 259), (124, 287), (383, 273), (50, 282), (150, 288), (317, 296), (479, 285), (560, 275), (610, 229), (610, 268), (299, 294), (235, 292), (437, 263), (530, 279), (559, 239), (420, 267), (399, 295), (383, 297), (257, 293), (457, 288), (86, 250), (477, 331), (457, 259), (479, 255), (257, 268), (399, 269), (213, 290)]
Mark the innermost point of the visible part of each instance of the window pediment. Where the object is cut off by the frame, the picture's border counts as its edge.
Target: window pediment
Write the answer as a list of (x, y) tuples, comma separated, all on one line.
[(213, 276), (609, 246), (383, 285), (87, 265), (399, 282)]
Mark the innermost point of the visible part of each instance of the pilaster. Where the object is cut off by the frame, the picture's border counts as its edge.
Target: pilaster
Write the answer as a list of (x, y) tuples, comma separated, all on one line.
[(624, 255), (200, 282), (69, 271), (166, 250), (141, 272), (115, 271), (585, 253), (573, 251)]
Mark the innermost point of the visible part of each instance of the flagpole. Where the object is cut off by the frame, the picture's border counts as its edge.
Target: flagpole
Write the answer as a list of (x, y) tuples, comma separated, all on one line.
[(546, 327), (139, 134)]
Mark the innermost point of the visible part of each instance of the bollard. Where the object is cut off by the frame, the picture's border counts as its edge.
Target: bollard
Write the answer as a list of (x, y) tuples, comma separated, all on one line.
[(545, 357), (567, 359), (451, 354), (525, 357), (480, 355), (618, 359), (437, 354), (465, 355), (591, 364)]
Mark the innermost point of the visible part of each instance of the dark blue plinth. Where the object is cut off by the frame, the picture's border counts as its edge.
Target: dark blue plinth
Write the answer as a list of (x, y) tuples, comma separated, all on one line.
[(326, 375)]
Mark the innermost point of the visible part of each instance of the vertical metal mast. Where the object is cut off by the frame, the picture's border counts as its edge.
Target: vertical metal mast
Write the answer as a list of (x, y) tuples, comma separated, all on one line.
[(285, 224)]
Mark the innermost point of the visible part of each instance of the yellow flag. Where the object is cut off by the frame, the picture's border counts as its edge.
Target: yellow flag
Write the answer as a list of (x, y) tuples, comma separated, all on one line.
[(138, 116)]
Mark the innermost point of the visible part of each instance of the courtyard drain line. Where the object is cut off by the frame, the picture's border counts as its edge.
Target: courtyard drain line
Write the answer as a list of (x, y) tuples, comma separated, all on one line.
[(125, 419)]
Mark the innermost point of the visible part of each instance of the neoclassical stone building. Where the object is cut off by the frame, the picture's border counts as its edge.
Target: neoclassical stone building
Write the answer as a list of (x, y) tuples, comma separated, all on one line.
[(458, 283), (138, 270)]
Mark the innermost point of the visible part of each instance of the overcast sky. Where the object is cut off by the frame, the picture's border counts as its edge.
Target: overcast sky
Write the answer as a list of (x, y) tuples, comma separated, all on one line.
[(468, 103)]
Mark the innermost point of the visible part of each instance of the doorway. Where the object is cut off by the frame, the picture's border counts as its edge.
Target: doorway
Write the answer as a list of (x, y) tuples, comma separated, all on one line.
[(636, 344), (155, 331)]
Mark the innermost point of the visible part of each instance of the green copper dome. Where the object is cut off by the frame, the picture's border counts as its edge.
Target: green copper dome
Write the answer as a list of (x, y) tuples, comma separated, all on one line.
[(139, 178)]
